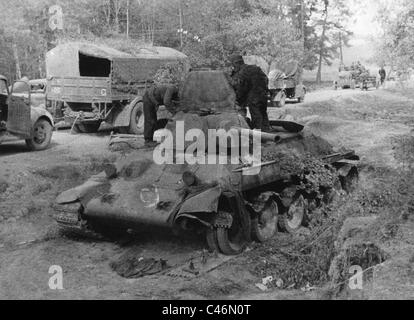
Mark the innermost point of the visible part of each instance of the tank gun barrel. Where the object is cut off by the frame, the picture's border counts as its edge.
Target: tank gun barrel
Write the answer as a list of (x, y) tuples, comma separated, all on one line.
[(268, 137)]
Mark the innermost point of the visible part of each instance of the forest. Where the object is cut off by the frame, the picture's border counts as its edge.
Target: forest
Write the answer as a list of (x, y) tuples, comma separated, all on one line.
[(309, 31)]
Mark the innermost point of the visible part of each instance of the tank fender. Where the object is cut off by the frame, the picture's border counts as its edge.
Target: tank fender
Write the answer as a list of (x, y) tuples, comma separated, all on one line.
[(206, 202), (193, 217), (75, 194), (122, 119), (40, 112)]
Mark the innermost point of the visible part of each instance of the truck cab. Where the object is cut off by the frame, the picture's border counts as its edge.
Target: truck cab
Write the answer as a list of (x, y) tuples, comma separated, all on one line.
[(20, 119)]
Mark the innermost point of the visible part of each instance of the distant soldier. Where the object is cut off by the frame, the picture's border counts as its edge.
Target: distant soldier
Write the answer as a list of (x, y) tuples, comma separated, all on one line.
[(154, 97), (251, 86), (382, 74)]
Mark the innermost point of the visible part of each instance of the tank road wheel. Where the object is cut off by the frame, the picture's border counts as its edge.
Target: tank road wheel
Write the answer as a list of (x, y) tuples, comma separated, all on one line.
[(136, 124), (264, 226), (231, 241), (293, 218), (41, 135)]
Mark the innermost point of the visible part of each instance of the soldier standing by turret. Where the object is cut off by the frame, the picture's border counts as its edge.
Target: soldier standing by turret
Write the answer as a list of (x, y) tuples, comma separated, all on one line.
[(251, 86)]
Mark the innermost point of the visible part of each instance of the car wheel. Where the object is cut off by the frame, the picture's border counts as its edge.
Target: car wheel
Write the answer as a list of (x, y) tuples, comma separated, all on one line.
[(41, 135)]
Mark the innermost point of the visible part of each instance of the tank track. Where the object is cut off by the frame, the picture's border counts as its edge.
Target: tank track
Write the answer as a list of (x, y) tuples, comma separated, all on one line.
[(71, 222)]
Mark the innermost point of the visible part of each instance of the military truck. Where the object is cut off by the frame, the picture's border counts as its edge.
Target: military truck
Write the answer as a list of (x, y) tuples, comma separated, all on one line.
[(98, 84), (354, 76), (345, 80), (285, 81), (24, 118), (230, 203)]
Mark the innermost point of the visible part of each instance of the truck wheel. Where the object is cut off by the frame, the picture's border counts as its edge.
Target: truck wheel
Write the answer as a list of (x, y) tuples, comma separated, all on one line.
[(231, 241), (292, 220), (41, 135), (136, 124), (87, 127), (264, 227)]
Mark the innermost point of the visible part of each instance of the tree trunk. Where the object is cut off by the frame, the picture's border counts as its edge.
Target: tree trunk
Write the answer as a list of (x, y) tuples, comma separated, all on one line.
[(302, 30), (107, 12), (127, 17), (340, 49), (322, 44), (17, 61), (117, 9), (180, 13)]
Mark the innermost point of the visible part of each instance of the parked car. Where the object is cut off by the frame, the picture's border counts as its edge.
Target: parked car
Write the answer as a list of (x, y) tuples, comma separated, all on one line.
[(21, 118)]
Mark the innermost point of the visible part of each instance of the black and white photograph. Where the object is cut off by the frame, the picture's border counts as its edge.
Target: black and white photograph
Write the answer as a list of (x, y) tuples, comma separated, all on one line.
[(222, 151)]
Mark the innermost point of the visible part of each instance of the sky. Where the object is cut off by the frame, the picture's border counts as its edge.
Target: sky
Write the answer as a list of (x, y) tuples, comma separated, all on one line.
[(364, 24), (364, 28)]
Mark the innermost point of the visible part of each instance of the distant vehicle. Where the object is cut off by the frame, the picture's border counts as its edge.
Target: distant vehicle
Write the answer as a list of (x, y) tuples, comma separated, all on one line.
[(98, 84), (345, 80), (22, 118), (355, 76), (369, 82), (284, 81)]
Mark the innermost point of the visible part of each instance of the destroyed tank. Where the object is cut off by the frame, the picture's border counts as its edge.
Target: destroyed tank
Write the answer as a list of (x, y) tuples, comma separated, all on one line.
[(231, 204)]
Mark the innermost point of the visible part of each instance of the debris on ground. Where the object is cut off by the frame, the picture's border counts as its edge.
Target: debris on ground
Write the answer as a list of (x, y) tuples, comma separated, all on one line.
[(200, 265), (125, 143), (261, 286), (129, 266)]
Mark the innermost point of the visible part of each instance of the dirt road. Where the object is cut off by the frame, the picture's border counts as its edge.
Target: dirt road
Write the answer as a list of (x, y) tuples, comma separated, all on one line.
[(369, 122)]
